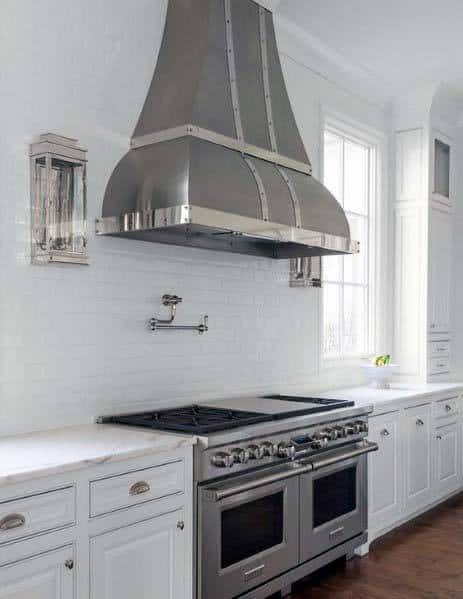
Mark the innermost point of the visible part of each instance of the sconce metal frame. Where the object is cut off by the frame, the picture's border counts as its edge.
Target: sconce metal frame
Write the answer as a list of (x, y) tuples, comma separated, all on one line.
[(50, 147), (305, 272)]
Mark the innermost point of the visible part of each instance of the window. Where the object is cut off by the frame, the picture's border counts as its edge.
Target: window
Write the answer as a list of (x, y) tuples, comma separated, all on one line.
[(349, 173)]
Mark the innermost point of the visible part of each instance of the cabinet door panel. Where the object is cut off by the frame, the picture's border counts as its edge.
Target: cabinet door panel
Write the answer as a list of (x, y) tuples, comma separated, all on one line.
[(446, 458), (440, 270), (41, 577), (383, 472), (417, 457), (144, 560)]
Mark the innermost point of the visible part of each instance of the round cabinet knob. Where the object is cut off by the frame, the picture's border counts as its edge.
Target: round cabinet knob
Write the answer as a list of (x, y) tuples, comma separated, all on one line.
[(286, 449), (69, 563), (256, 452), (223, 459), (270, 449), (240, 456)]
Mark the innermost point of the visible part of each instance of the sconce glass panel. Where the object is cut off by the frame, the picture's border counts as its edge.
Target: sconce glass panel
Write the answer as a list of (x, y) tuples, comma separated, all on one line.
[(58, 201)]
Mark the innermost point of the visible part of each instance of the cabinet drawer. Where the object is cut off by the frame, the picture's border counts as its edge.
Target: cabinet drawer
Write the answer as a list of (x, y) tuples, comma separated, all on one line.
[(439, 348), (439, 365), (445, 408), (35, 514), (132, 488)]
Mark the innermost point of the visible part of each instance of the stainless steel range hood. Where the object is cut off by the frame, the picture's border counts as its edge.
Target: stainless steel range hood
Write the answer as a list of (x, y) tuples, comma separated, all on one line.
[(216, 159)]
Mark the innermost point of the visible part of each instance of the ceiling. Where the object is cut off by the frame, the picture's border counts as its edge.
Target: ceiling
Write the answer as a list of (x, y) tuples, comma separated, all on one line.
[(400, 43)]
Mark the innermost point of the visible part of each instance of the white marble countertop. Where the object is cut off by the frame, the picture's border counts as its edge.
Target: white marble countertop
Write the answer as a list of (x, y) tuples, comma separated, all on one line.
[(23, 457), (397, 394)]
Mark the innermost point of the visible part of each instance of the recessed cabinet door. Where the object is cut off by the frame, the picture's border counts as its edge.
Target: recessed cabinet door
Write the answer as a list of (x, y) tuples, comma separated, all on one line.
[(47, 576), (417, 457), (141, 561), (446, 458), (383, 472), (440, 270)]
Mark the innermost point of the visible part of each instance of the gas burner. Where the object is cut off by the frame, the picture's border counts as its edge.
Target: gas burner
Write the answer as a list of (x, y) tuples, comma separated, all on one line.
[(194, 419)]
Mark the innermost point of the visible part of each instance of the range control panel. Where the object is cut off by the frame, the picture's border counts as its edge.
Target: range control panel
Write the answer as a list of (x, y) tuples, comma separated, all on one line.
[(288, 445)]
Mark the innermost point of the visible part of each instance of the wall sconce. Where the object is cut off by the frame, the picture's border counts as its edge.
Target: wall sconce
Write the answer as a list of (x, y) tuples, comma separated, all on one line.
[(59, 200)]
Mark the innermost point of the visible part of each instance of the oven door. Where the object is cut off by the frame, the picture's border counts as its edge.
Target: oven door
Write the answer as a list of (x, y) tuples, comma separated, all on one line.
[(333, 499), (248, 531)]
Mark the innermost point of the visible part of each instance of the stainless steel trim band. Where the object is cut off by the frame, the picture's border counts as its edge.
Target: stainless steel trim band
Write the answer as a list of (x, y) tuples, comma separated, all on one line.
[(260, 187), (266, 79), (221, 140), (232, 71), (190, 215)]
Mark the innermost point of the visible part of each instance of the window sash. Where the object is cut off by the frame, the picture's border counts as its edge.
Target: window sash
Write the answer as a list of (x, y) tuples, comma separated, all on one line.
[(366, 218)]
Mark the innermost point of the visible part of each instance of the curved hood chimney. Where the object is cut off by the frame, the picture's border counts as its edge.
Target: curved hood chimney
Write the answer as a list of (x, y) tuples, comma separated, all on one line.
[(216, 159)]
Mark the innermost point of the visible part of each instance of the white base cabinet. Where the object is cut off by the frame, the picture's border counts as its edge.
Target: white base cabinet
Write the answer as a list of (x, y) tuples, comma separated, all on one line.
[(118, 530), (145, 560), (418, 463), (417, 425), (47, 576), (446, 458), (384, 470)]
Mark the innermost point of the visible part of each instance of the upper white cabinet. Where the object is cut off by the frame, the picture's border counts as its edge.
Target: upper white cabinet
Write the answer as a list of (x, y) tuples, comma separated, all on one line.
[(47, 576), (441, 162), (144, 560), (423, 251), (440, 227)]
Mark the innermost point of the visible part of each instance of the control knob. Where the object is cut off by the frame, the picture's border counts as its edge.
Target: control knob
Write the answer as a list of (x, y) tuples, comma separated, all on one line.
[(286, 449), (319, 443), (363, 426), (240, 456), (331, 433), (223, 459), (351, 428), (270, 449), (256, 452), (341, 430)]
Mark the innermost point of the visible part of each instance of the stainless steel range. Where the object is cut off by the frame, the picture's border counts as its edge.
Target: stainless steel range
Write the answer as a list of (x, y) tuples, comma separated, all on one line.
[(281, 488)]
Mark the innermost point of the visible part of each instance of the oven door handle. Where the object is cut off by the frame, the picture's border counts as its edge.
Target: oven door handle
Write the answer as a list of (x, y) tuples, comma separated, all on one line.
[(214, 495), (341, 456)]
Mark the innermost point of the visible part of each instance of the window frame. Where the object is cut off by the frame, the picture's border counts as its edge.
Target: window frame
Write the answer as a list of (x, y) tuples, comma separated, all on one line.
[(375, 141)]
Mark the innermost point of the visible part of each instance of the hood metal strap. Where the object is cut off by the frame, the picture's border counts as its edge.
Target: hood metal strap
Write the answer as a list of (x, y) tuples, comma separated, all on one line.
[(294, 198), (190, 130), (266, 79), (232, 71), (260, 187)]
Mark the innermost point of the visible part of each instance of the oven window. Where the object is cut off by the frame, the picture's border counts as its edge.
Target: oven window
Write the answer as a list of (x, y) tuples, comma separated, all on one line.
[(251, 528), (334, 495)]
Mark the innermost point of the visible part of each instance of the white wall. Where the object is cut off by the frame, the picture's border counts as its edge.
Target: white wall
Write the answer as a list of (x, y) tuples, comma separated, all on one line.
[(74, 342)]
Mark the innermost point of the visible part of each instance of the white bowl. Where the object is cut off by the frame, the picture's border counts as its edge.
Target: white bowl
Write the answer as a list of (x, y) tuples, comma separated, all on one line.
[(379, 377)]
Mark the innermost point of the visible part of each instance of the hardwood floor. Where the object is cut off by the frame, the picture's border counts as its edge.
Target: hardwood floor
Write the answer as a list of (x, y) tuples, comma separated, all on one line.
[(421, 560)]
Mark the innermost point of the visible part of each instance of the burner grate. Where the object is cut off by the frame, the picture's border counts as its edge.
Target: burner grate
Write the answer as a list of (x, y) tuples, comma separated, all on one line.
[(194, 419)]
